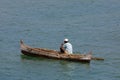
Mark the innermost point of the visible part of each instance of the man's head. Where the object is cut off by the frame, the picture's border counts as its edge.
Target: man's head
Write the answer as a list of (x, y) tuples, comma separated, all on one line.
[(66, 40)]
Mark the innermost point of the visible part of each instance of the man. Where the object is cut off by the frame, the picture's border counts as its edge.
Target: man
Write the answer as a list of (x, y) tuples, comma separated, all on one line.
[(66, 47)]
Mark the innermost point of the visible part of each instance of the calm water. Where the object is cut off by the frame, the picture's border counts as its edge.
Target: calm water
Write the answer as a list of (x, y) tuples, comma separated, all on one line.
[(91, 25)]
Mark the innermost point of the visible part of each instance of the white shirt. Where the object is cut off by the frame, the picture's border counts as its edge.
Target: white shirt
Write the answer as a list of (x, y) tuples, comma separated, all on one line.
[(68, 47)]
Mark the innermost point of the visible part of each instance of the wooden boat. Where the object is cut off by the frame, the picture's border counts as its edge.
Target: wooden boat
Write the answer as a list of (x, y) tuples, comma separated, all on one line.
[(53, 54)]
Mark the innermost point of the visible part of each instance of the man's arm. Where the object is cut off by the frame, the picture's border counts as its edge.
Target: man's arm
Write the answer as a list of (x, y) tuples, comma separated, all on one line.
[(62, 50)]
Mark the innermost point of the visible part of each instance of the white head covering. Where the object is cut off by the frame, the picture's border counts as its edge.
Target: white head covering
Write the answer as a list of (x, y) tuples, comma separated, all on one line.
[(66, 39)]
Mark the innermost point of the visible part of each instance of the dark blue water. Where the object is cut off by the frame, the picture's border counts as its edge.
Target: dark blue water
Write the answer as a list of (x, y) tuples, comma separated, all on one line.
[(90, 25)]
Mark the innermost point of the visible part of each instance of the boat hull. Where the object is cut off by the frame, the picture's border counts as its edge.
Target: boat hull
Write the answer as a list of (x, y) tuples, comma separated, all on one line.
[(52, 54), (35, 55)]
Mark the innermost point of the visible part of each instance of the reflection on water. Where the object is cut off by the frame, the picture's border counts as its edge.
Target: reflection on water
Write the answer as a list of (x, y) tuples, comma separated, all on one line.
[(25, 57), (62, 69), (65, 64), (70, 64)]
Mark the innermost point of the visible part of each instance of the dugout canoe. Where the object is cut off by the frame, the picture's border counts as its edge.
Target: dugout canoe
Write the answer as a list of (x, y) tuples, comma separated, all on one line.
[(53, 54)]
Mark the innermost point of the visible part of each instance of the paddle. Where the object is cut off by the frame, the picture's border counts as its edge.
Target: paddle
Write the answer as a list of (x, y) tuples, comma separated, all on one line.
[(93, 58), (97, 58)]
